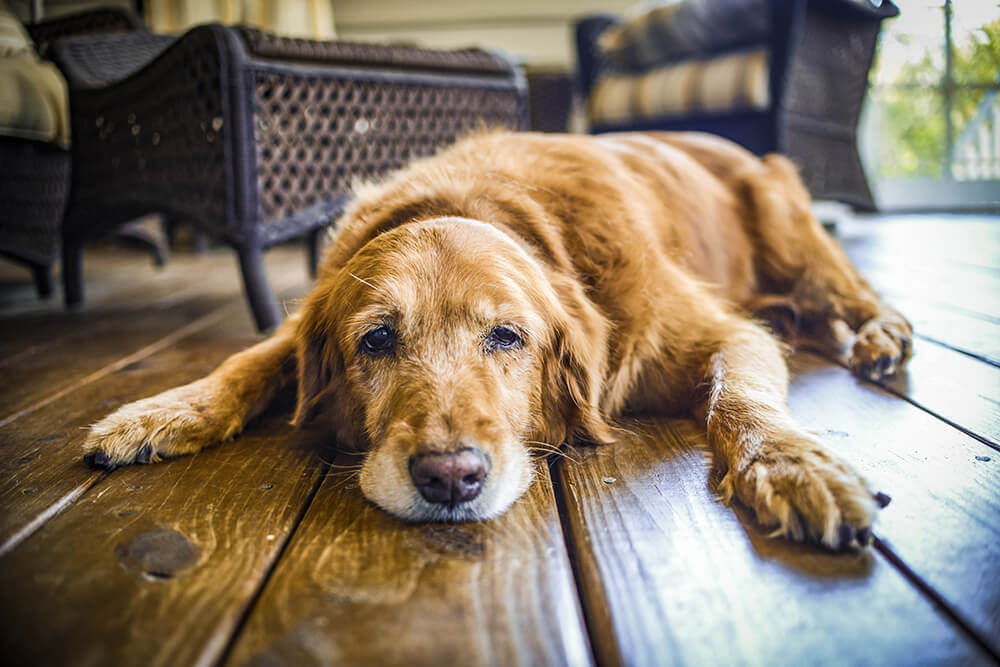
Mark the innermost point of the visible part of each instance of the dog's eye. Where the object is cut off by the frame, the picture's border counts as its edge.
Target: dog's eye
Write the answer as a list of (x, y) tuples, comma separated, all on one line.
[(378, 342), (502, 338)]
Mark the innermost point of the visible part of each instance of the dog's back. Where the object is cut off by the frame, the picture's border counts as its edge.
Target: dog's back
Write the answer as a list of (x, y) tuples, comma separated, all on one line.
[(590, 204)]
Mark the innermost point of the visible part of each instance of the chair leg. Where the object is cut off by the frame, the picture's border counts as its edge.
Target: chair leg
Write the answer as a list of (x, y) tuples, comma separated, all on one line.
[(72, 274), (314, 247), (139, 235), (43, 280), (262, 300)]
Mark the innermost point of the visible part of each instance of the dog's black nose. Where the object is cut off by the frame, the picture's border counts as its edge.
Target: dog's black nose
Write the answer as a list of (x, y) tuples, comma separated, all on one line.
[(450, 478)]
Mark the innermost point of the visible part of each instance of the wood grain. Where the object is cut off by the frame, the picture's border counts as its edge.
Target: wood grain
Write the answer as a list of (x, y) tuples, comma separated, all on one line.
[(950, 263), (40, 467), (156, 564), (669, 575), (945, 485), (953, 328), (358, 586), (960, 390), (93, 340)]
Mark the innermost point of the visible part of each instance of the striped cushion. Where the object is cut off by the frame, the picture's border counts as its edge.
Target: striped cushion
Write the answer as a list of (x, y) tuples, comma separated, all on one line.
[(684, 29), (725, 83)]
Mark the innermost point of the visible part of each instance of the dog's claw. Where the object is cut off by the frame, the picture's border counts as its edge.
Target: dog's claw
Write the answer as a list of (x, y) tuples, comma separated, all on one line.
[(845, 535), (865, 536), (882, 499), (144, 454), (99, 460)]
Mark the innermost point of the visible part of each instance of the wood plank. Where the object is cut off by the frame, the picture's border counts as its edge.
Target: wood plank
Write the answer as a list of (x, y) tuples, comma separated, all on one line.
[(976, 298), (105, 267), (972, 241), (943, 520), (952, 264), (669, 575), (952, 328), (96, 340), (126, 286), (41, 469), (948, 276), (358, 586), (960, 390), (156, 565)]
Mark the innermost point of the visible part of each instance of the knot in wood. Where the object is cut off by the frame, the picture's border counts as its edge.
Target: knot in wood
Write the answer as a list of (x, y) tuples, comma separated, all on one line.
[(158, 554)]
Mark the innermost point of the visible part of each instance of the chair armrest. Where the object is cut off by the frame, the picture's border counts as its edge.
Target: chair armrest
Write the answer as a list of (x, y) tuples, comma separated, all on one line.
[(106, 21), (269, 46), (855, 11), (93, 61)]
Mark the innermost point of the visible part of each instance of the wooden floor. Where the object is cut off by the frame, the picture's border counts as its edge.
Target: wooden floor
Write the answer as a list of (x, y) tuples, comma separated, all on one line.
[(263, 551)]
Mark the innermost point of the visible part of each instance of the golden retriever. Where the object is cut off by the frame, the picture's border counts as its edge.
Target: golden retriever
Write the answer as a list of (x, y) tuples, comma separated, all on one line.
[(525, 289)]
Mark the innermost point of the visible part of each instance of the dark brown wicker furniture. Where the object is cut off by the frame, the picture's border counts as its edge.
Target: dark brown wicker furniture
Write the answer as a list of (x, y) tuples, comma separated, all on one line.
[(34, 175), (254, 138), (819, 52)]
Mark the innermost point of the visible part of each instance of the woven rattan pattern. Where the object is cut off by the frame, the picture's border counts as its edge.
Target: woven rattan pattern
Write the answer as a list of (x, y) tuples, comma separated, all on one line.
[(314, 136), (156, 138), (823, 81), (97, 60), (267, 45), (33, 192)]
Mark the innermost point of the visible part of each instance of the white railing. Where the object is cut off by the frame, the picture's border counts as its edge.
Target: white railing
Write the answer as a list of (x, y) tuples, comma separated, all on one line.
[(976, 155)]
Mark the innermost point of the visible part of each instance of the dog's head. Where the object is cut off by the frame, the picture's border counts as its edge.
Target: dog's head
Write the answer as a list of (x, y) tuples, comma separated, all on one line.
[(447, 352)]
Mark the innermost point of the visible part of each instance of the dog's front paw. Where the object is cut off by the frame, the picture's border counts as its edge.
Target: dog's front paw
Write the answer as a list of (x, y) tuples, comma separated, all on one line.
[(880, 348), (176, 422), (805, 493)]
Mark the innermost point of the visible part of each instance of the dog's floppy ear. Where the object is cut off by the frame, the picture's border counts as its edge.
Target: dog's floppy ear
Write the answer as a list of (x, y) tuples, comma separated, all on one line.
[(320, 367), (575, 368)]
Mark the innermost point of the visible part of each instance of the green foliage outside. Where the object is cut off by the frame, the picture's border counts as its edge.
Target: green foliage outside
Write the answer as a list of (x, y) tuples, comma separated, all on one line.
[(913, 144)]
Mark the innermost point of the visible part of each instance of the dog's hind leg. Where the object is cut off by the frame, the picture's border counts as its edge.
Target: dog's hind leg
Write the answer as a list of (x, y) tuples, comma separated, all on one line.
[(205, 412), (796, 257), (784, 474)]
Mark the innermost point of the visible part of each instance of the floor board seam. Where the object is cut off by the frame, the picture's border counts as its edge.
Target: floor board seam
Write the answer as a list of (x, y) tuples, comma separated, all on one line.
[(562, 510), (50, 512), (146, 351), (936, 599), (949, 346), (885, 387), (324, 469)]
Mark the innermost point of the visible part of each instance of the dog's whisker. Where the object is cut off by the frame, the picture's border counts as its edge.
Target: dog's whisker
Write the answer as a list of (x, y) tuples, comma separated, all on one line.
[(353, 466), (369, 284), (550, 449)]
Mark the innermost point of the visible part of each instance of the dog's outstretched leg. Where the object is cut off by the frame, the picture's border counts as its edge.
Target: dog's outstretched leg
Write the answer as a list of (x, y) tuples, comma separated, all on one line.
[(797, 257), (787, 476), (205, 412)]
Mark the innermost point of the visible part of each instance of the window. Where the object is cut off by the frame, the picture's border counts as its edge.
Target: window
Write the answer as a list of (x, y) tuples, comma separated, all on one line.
[(931, 133)]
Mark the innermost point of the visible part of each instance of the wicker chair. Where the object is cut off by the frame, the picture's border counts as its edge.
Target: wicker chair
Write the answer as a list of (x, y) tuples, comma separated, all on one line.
[(819, 52), (34, 175), (255, 138)]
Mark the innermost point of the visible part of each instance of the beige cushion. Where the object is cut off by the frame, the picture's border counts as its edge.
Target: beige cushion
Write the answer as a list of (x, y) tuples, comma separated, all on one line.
[(14, 39), (34, 102), (726, 83)]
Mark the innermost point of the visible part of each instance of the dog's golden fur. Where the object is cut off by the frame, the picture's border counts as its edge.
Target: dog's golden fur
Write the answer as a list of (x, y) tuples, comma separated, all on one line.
[(628, 265)]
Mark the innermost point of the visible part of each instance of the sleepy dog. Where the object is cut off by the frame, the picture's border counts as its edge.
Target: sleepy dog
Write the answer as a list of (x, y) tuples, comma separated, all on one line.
[(526, 289)]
